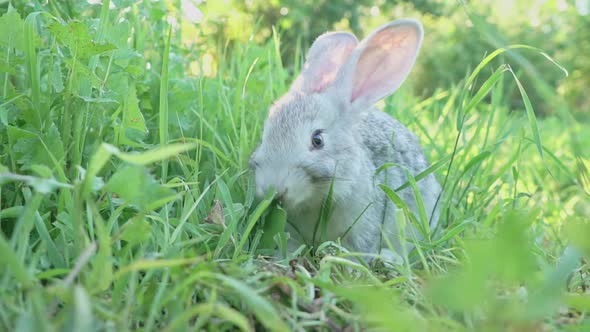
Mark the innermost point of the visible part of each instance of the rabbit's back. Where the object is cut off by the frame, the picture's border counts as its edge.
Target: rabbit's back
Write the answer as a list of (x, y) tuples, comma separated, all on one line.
[(388, 141)]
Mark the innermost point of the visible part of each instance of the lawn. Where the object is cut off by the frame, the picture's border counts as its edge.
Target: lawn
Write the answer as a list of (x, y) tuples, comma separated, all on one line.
[(126, 201)]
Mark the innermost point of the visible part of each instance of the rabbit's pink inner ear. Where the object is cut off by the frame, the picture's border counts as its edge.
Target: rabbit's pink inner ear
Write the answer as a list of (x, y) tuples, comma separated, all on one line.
[(324, 59), (385, 61)]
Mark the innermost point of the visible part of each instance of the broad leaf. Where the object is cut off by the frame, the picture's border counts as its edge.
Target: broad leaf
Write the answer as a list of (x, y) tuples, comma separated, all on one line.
[(75, 36), (138, 188)]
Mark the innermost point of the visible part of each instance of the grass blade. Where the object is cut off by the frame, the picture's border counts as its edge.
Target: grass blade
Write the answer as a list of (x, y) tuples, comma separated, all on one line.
[(532, 119), (10, 260), (163, 113), (33, 68), (263, 310)]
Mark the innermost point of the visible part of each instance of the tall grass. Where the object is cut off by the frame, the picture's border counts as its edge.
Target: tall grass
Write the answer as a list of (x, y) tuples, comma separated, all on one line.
[(126, 202)]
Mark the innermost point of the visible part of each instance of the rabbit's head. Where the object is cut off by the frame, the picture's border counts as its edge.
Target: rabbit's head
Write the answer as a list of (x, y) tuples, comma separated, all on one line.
[(310, 137)]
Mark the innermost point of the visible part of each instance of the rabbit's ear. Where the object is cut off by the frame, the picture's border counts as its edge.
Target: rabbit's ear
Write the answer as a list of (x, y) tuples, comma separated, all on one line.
[(324, 59), (380, 63)]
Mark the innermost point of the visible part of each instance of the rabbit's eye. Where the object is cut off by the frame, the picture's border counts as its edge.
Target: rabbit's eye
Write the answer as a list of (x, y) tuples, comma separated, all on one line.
[(317, 140), (252, 163)]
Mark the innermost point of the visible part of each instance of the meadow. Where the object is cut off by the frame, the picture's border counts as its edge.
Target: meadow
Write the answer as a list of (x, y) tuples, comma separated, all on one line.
[(126, 201)]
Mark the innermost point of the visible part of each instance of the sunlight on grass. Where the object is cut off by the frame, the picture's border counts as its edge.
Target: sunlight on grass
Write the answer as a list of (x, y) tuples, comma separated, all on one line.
[(126, 202)]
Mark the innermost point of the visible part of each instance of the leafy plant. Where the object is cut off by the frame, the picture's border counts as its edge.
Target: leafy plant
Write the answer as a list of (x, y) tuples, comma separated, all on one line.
[(126, 204)]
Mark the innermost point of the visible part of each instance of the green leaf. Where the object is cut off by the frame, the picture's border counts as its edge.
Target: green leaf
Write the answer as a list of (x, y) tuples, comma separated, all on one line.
[(548, 297), (430, 170), (222, 311), (379, 306), (513, 246), (579, 302), (274, 223), (10, 261), (6, 68), (102, 272), (104, 153), (119, 33), (42, 170), (583, 174), (41, 185), (82, 75), (152, 264), (261, 308), (97, 162), (156, 154), (31, 148), (83, 320), (53, 253), (578, 232), (56, 77), (483, 91), (254, 217), (506, 258), (499, 51), (35, 114), (138, 188), (75, 36), (530, 113), (12, 27), (136, 230), (132, 129), (163, 115)]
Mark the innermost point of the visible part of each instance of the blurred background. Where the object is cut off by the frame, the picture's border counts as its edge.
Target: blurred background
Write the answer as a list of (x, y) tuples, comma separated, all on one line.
[(459, 34)]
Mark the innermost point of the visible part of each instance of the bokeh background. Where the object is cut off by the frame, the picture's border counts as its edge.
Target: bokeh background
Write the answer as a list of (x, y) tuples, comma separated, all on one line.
[(458, 36)]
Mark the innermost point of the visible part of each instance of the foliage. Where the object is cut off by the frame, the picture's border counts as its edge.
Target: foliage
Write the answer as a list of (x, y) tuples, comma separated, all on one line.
[(458, 35), (125, 200)]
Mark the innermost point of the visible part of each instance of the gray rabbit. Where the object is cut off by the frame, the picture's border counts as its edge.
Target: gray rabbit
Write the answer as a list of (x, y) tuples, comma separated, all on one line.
[(325, 131)]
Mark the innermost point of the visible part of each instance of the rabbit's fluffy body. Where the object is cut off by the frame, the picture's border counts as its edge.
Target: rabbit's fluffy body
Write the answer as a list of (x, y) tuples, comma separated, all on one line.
[(332, 99)]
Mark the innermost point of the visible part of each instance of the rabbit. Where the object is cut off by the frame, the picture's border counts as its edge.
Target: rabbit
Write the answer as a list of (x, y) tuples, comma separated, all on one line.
[(326, 135)]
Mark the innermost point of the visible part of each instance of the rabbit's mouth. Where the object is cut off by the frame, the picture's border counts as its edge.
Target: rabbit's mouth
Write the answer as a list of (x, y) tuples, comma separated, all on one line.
[(296, 194), (297, 191), (306, 195), (297, 186)]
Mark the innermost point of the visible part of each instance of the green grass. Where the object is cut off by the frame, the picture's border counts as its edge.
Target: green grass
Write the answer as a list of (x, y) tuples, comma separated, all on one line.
[(126, 202)]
